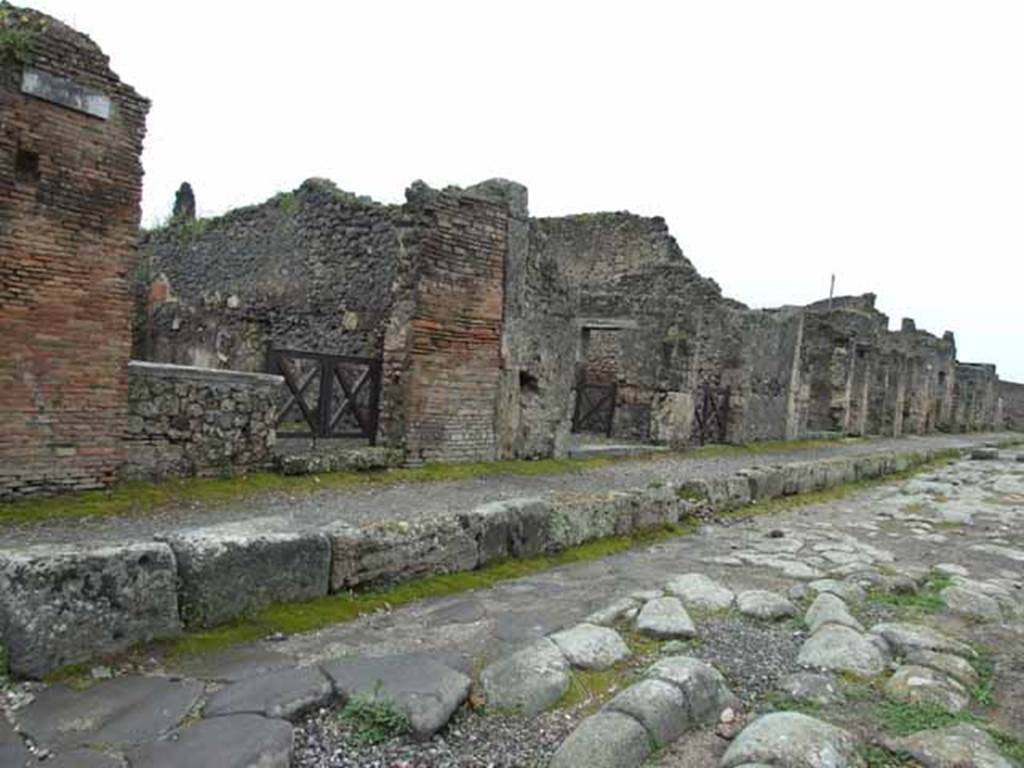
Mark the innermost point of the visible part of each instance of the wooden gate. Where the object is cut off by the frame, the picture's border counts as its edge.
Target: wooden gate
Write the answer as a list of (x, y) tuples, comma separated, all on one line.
[(710, 413), (595, 408), (327, 395)]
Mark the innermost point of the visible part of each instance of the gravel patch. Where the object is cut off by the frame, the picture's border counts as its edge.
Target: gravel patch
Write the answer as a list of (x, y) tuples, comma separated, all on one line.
[(752, 656), (470, 741)]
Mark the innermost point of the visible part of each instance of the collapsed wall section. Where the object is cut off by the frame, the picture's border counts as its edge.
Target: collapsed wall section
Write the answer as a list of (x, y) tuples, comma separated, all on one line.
[(70, 183), (310, 270)]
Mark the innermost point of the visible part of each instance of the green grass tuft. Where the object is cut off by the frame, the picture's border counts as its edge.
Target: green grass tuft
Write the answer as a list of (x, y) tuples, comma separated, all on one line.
[(926, 600), (373, 719), (880, 757)]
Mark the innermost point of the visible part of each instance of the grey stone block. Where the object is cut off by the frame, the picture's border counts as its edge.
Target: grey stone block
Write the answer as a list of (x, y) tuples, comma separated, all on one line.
[(229, 571), (425, 691), (83, 758), (397, 551), (587, 646), (516, 527), (658, 706), (529, 681), (792, 739), (666, 618), (12, 750), (238, 741), (284, 694), (573, 521), (60, 605), (704, 689), (121, 712), (604, 740)]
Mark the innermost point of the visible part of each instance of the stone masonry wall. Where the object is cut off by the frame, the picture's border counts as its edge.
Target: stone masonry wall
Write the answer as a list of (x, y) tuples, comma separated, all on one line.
[(975, 396), (70, 182), (198, 421), (1012, 395), (310, 269)]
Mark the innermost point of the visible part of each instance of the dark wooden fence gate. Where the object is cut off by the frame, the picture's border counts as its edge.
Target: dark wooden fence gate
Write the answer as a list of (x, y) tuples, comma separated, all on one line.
[(595, 407), (327, 395), (710, 413)]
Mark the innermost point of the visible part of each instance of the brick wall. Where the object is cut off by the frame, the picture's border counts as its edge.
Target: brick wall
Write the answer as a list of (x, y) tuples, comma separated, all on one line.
[(198, 421), (442, 355), (70, 183)]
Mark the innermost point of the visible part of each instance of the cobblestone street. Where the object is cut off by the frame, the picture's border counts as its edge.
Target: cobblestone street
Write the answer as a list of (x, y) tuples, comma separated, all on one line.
[(883, 612)]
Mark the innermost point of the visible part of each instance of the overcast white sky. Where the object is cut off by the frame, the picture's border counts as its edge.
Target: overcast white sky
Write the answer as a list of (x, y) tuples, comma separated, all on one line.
[(783, 141)]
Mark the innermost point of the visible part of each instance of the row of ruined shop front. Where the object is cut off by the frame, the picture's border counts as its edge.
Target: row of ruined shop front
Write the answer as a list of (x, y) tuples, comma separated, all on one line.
[(456, 328), (452, 327)]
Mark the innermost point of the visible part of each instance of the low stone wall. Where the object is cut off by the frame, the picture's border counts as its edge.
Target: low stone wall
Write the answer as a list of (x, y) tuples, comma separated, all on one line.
[(134, 592), (197, 421)]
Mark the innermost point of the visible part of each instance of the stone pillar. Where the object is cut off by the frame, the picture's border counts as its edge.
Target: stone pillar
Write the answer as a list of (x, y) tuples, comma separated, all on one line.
[(70, 184)]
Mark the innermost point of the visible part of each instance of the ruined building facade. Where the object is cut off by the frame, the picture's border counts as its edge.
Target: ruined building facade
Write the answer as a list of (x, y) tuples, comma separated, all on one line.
[(500, 333), (452, 327)]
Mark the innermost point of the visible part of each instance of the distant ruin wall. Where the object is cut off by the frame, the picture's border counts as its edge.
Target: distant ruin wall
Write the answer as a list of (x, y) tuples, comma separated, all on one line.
[(70, 182), (198, 421), (975, 397), (310, 269), (1012, 395)]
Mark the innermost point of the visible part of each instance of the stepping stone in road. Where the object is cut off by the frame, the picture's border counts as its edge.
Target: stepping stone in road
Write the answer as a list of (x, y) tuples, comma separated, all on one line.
[(665, 617), (829, 609), (658, 706), (704, 689), (951, 569), (528, 681), (234, 741), (280, 694), (953, 666), (851, 593), (699, 591), (121, 712), (904, 638), (957, 746), (912, 684), (837, 648), (761, 604), (627, 607), (815, 688), (587, 646), (424, 690), (971, 604), (793, 740), (604, 740)]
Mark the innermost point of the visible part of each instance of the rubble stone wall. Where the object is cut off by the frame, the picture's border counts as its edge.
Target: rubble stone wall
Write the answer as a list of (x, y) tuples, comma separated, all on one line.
[(198, 421), (310, 269), (70, 183)]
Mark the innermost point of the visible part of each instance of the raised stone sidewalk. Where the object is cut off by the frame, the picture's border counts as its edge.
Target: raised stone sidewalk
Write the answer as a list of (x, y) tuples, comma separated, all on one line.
[(62, 603)]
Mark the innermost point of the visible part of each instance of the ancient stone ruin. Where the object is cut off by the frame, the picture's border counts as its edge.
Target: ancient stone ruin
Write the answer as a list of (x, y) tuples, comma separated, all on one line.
[(453, 327)]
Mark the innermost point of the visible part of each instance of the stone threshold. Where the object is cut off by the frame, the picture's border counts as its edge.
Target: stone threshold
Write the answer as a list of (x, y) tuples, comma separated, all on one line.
[(64, 604)]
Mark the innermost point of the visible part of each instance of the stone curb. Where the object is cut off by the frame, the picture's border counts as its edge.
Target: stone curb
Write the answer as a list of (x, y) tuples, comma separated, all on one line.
[(212, 577)]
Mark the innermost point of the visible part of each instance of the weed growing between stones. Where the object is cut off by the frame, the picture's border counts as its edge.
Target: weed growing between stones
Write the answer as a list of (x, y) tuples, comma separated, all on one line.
[(925, 601), (589, 688), (880, 757), (984, 693), (373, 719)]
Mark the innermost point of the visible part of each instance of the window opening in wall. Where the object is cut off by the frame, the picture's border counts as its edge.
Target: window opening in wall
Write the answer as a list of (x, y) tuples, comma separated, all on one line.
[(26, 166)]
